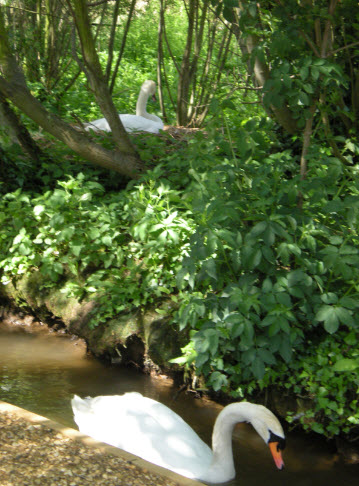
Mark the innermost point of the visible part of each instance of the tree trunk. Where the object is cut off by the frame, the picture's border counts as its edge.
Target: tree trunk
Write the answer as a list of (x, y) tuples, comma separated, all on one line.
[(123, 43), (18, 131), (13, 86), (95, 77), (122, 162), (184, 75), (160, 59), (283, 114), (111, 43)]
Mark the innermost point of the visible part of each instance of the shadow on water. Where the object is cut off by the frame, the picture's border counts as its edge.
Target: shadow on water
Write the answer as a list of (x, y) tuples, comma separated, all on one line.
[(42, 371)]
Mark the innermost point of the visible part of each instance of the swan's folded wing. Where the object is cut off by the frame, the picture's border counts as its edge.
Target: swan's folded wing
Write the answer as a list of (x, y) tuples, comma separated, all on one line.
[(146, 428), (135, 123)]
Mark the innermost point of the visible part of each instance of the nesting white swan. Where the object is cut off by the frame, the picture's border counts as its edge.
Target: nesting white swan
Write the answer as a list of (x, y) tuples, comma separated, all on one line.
[(151, 430), (142, 121)]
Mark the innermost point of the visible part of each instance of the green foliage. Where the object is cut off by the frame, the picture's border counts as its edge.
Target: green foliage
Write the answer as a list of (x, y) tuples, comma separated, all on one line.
[(325, 378), (122, 248), (263, 277)]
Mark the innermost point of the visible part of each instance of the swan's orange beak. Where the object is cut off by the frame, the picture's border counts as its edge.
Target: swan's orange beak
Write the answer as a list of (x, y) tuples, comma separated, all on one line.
[(277, 455)]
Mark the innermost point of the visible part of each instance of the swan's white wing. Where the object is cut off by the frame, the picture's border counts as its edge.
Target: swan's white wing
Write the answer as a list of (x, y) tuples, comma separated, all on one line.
[(145, 428), (131, 123), (100, 124), (135, 123)]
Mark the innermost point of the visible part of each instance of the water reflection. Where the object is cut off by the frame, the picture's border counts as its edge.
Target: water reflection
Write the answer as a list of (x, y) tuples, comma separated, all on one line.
[(42, 371)]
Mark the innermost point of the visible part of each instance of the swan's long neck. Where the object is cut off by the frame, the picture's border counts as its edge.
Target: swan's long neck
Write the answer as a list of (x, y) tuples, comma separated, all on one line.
[(142, 103), (222, 458)]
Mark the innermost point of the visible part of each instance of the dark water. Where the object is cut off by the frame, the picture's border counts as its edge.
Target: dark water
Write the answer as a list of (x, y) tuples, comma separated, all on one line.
[(41, 372)]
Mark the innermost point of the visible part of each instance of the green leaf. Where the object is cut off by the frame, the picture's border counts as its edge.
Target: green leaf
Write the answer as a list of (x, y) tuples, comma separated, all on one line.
[(329, 298), (267, 285), (336, 240), (258, 229), (324, 312), (24, 249), (349, 302), (38, 209), (303, 98), (314, 73), (346, 364), (201, 359), (303, 72), (76, 249), (218, 380), (209, 267), (251, 257), (207, 340), (106, 240), (269, 236), (266, 356), (344, 316), (328, 315), (94, 233), (284, 299), (258, 368), (274, 328), (285, 349), (180, 277), (58, 268)]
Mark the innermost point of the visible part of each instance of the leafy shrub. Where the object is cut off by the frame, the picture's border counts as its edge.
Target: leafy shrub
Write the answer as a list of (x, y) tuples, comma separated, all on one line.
[(122, 248), (325, 377), (263, 275)]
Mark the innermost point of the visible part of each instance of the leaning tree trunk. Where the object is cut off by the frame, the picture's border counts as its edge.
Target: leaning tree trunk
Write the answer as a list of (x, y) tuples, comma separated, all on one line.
[(18, 131), (13, 87), (95, 76)]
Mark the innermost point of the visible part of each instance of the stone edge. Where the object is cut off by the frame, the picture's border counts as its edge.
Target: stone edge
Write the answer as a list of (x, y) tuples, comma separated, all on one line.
[(85, 439)]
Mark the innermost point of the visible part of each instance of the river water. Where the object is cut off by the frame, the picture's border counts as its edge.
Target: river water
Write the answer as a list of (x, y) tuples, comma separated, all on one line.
[(41, 371)]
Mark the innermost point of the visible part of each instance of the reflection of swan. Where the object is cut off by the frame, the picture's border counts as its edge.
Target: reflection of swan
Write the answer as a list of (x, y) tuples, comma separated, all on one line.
[(142, 121), (154, 432)]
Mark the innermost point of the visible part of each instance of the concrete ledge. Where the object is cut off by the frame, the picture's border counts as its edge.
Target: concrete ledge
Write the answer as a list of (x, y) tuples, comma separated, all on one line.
[(78, 436)]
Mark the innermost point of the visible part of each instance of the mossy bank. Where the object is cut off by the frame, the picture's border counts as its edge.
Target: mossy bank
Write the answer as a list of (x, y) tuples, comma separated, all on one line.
[(140, 338)]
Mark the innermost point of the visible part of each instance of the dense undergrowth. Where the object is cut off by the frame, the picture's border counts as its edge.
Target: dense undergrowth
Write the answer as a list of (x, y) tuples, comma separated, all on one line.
[(261, 264)]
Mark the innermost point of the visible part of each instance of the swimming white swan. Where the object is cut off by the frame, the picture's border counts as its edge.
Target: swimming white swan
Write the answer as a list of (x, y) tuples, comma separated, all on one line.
[(151, 430), (142, 121)]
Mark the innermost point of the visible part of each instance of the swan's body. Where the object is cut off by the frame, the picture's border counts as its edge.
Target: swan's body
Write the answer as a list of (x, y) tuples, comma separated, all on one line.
[(142, 121), (151, 430)]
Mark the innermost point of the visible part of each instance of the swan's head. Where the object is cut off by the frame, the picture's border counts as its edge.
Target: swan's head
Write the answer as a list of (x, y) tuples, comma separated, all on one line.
[(268, 427), (149, 87)]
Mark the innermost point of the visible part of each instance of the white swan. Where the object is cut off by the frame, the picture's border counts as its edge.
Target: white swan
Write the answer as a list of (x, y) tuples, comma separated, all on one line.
[(142, 121), (151, 430)]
